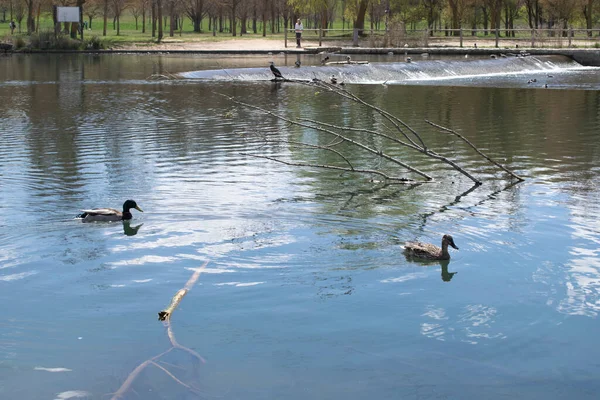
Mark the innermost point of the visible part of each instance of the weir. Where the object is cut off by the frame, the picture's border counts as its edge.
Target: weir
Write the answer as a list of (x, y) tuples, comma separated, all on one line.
[(399, 72)]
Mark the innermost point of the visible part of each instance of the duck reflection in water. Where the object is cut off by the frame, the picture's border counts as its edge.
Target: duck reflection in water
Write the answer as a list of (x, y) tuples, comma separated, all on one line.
[(130, 230), (446, 275)]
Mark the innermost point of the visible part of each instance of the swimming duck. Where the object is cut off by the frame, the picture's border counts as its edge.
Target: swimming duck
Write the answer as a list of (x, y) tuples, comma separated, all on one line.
[(109, 214), (429, 251)]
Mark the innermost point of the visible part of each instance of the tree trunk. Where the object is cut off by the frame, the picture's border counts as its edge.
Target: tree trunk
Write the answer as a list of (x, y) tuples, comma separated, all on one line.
[(30, 20), (589, 21), (105, 16), (159, 19), (171, 18), (153, 15), (233, 13), (360, 17)]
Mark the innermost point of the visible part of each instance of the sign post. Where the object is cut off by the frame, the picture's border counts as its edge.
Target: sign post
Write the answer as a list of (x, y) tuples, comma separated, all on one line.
[(70, 14)]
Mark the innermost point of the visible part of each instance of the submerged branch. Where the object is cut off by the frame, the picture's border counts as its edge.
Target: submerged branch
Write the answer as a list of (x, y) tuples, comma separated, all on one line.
[(335, 167), (360, 130), (166, 317), (315, 146)]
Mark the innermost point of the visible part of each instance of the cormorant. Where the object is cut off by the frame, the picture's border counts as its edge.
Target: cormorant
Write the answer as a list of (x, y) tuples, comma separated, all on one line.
[(275, 71)]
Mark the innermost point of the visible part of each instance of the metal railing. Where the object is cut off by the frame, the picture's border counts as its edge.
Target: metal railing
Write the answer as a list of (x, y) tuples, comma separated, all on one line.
[(400, 37)]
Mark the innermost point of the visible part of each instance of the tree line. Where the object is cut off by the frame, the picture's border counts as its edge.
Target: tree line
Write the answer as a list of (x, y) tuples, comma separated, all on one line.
[(238, 17)]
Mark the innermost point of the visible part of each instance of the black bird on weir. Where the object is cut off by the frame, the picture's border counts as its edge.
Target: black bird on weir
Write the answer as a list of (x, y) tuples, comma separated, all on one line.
[(275, 71)]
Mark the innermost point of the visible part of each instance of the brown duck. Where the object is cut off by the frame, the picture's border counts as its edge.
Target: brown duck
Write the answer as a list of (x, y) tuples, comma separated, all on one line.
[(429, 251)]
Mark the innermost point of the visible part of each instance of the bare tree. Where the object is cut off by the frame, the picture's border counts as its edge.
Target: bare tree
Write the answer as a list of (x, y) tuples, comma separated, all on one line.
[(195, 11), (118, 6), (92, 10), (136, 9)]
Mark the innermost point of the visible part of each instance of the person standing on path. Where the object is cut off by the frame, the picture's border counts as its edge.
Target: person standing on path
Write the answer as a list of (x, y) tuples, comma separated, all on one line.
[(299, 28)]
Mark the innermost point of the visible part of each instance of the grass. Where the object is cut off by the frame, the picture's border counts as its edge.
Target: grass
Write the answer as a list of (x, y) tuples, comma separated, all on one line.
[(129, 35)]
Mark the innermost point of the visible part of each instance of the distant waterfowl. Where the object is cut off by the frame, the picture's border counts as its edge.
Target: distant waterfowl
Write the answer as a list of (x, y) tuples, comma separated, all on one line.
[(109, 214), (550, 76), (493, 56), (324, 60), (348, 58), (297, 63), (408, 59), (333, 79), (275, 71), (546, 85), (475, 45), (429, 251)]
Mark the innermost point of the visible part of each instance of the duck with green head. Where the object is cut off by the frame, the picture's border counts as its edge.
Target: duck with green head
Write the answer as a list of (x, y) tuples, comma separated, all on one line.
[(110, 214), (430, 251)]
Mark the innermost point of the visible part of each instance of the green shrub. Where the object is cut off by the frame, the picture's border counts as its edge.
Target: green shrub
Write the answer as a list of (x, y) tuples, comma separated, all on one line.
[(94, 43), (18, 42), (47, 40)]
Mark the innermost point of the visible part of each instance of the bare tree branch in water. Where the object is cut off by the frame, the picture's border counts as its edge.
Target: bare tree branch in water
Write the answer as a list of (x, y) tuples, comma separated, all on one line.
[(502, 167), (408, 138), (165, 316)]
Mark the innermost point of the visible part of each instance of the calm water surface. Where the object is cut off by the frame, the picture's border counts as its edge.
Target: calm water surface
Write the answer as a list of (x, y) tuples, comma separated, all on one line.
[(306, 294)]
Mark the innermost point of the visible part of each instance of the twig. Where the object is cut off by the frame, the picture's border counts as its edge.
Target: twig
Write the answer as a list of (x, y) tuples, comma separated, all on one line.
[(129, 381), (397, 122), (175, 378), (502, 167), (346, 139)]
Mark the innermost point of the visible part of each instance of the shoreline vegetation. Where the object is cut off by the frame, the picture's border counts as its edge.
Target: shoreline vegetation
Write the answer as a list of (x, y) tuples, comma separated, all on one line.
[(130, 38)]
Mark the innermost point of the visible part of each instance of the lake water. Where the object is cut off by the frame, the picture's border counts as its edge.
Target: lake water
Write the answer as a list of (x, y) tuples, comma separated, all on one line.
[(306, 294)]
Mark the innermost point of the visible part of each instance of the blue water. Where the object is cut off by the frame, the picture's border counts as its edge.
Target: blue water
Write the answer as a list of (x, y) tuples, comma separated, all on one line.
[(306, 293)]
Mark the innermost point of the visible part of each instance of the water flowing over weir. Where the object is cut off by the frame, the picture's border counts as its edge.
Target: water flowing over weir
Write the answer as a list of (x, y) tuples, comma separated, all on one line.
[(416, 71)]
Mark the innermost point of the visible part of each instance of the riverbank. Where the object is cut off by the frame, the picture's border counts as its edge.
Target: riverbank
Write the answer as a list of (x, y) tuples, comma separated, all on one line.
[(585, 56)]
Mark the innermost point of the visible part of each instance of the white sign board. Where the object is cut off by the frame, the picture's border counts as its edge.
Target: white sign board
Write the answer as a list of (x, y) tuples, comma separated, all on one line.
[(67, 14)]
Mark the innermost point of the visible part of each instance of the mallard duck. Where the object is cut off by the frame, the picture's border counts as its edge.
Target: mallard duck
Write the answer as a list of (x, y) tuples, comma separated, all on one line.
[(109, 214), (429, 251)]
